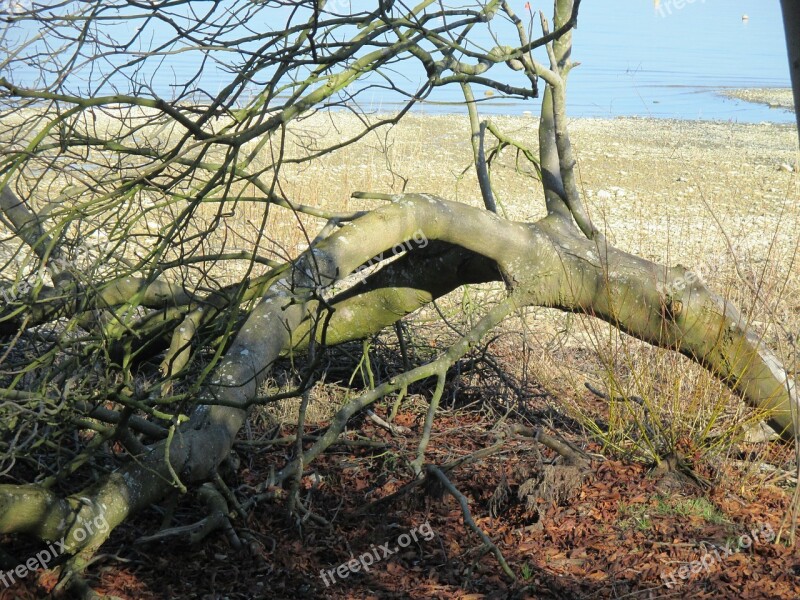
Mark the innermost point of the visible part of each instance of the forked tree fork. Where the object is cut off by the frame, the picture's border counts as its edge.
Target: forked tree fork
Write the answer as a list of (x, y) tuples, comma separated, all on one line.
[(548, 263)]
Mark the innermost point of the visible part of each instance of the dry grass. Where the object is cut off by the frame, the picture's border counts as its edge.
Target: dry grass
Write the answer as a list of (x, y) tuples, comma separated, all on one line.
[(710, 196)]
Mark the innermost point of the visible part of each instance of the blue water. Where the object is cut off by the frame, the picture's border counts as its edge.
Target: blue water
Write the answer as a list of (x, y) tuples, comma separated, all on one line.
[(637, 59), (668, 62)]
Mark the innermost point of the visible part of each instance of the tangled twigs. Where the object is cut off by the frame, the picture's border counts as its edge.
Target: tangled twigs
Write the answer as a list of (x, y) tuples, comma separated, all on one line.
[(436, 368), (433, 470), (306, 514), (395, 430), (415, 483)]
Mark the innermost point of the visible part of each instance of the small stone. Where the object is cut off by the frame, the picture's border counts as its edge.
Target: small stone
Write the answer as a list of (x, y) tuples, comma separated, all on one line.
[(681, 179), (604, 195), (758, 433), (786, 168)]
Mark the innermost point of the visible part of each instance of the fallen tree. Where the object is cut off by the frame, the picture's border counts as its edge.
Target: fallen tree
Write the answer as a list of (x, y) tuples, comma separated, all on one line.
[(215, 340)]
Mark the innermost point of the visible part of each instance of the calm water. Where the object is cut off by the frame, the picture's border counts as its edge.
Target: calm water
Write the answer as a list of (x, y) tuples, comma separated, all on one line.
[(636, 59), (665, 62)]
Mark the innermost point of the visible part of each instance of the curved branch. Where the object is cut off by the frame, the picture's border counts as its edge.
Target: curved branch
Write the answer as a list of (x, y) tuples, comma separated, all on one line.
[(478, 152), (545, 264)]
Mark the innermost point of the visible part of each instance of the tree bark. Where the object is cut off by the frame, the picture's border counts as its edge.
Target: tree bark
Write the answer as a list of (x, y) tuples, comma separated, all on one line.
[(545, 264), (548, 263), (791, 26)]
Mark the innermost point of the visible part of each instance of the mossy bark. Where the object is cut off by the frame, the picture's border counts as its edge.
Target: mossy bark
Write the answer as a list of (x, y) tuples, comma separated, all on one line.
[(548, 263)]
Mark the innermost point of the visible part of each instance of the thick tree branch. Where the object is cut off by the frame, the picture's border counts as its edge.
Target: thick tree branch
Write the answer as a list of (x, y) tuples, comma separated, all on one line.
[(791, 25)]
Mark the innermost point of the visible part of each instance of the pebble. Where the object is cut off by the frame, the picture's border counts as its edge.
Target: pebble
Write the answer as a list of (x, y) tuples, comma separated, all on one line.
[(618, 192), (786, 168), (604, 195)]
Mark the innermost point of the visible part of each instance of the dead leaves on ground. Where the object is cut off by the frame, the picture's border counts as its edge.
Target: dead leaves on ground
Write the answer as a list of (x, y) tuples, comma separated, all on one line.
[(610, 535)]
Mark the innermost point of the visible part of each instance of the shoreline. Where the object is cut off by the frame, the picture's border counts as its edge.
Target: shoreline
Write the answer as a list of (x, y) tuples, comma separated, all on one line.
[(725, 104), (777, 98)]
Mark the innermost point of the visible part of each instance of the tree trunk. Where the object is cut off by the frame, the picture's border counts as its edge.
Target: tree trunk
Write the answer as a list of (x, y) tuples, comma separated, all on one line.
[(545, 264), (791, 25), (560, 262)]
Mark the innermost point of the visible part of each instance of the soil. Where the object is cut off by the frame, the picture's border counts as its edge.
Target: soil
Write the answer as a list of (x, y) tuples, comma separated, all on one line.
[(616, 536)]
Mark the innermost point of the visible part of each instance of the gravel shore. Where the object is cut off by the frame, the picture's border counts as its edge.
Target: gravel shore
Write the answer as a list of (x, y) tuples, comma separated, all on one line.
[(772, 97), (669, 190)]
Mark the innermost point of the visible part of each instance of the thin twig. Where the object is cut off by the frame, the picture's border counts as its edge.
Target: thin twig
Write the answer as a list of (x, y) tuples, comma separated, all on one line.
[(435, 471)]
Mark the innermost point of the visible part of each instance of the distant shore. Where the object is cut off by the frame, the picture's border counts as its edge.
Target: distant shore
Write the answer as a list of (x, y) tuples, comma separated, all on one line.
[(780, 98)]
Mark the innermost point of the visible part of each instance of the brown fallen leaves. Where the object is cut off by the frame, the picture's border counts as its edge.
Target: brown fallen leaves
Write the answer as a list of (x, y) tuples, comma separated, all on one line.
[(615, 536)]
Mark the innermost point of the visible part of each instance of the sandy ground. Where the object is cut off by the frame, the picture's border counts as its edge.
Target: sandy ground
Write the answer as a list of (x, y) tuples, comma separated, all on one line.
[(671, 190), (721, 198)]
